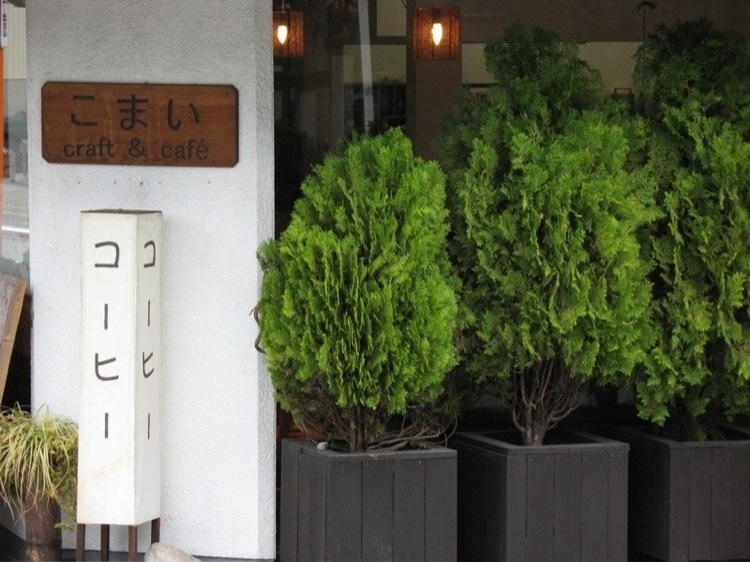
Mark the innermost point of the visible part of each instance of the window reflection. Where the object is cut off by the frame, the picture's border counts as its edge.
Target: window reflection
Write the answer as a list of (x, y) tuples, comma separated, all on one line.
[(353, 78), (14, 254), (350, 80)]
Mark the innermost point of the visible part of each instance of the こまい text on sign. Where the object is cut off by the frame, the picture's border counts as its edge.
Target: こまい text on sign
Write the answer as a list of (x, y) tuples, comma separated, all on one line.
[(140, 124)]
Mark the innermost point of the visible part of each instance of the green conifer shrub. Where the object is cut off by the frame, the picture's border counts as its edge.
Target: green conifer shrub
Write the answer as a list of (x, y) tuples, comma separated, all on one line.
[(357, 310), (546, 212), (694, 89)]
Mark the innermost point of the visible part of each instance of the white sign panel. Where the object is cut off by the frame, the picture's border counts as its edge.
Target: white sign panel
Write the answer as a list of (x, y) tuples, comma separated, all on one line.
[(119, 466)]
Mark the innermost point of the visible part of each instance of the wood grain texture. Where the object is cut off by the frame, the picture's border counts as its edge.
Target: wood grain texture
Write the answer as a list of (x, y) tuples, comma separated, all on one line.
[(12, 291), (140, 124)]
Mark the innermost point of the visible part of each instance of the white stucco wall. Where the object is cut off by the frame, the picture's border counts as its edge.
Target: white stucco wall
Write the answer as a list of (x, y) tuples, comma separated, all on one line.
[(219, 421)]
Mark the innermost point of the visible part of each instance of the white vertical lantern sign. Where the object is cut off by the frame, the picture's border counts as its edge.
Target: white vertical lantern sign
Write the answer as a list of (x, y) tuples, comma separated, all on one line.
[(119, 465)]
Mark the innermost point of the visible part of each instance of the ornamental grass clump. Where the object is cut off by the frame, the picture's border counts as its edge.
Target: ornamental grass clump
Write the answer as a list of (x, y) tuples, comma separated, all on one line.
[(547, 212), (693, 83), (38, 460), (357, 308)]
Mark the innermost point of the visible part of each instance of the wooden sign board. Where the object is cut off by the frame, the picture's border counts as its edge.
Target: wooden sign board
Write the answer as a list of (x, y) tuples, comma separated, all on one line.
[(12, 291), (140, 124)]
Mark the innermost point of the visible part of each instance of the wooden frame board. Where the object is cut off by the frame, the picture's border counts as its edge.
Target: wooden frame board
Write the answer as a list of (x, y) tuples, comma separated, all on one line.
[(12, 291), (140, 124)]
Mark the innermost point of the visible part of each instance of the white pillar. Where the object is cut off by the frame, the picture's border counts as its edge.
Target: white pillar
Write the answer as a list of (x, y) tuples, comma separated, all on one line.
[(218, 433)]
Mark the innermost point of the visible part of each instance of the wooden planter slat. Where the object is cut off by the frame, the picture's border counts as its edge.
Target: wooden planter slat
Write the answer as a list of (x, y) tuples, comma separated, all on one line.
[(539, 520), (289, 501), (512, 511), (728, 540), (594, 506), (618, 481), (689, 500), (377, 510), (567, 500), (337, 529), (554, 502), (699, 507), (409, 515), (367, 506), (441, 508)]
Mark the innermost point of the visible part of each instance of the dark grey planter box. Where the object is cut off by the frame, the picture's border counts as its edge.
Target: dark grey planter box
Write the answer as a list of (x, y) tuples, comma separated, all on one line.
[(549, 503), (397, 505), (689, 500)]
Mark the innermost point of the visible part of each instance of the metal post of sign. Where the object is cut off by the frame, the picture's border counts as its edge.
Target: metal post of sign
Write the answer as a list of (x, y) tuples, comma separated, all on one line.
[(104, 541)]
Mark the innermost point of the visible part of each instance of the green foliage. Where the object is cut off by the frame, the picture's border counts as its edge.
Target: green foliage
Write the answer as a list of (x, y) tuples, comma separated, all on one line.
[(694, 62), (547, 212), (556, 246), (357, 310), (542, 77), (695, 84), (38, 459)]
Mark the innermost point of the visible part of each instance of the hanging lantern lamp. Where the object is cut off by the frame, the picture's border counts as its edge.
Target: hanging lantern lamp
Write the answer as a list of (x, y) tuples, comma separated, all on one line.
[(436, 33), (288, 33)]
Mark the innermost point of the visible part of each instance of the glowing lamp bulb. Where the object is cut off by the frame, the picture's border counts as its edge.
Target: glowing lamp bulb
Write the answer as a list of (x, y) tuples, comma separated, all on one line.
[(437, 33), (282, 32)]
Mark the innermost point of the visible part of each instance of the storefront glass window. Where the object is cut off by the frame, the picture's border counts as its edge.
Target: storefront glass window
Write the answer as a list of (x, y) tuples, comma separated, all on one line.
[(14, 255), (351, 78)]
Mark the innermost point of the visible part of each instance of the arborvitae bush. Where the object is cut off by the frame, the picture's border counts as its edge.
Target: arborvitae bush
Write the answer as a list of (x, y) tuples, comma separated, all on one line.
[(693, 61), (694, 88), (546, 217), (357, 309)]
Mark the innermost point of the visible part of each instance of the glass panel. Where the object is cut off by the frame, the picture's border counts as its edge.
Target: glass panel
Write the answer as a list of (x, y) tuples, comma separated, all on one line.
[(14, 257), (351, 78)]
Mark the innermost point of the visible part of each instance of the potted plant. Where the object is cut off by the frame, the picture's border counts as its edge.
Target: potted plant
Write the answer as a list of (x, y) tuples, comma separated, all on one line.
[(38, 460), (357, 315), (690, 473), (547, 212)]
